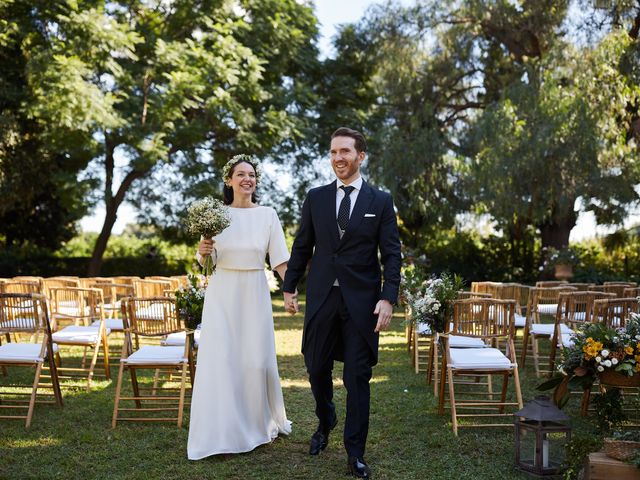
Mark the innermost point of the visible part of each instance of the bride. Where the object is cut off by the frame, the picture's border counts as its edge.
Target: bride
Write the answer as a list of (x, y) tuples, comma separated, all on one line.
[(237, 400)]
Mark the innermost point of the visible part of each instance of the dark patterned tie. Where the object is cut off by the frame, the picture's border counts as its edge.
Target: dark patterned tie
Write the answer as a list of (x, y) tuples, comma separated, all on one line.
[(345, 208)]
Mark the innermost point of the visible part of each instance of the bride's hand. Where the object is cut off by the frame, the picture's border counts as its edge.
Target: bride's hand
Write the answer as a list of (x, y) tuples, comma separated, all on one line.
[(205, 248)]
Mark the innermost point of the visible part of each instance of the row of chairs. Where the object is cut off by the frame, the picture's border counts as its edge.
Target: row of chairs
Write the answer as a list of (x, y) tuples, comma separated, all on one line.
[(565, 304), (25, 318)]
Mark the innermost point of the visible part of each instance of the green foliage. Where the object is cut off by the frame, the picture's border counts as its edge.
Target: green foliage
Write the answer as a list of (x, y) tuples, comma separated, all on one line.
[(151, 87), (491, 107), (190, 301), (580, 446), (609, 409)]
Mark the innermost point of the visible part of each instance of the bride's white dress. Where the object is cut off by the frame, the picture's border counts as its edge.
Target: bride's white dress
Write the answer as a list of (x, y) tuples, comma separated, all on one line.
[(237, 400)]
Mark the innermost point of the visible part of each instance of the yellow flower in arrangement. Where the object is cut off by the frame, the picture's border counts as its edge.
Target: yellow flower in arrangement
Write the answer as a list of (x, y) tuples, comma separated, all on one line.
[(628, 350), (591, 348)]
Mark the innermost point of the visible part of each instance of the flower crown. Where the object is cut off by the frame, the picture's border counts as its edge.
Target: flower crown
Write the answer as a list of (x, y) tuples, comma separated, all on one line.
[(251, 160)]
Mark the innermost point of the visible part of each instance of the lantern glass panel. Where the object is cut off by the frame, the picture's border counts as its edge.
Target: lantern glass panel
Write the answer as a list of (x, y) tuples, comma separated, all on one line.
[(527, 447), (554, 444)]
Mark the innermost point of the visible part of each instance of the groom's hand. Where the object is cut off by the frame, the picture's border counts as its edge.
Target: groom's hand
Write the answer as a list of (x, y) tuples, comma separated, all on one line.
[(291, 302), (384, 310)]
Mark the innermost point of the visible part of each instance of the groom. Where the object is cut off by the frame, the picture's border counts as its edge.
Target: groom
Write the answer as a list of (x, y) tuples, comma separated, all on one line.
[(343, 226)]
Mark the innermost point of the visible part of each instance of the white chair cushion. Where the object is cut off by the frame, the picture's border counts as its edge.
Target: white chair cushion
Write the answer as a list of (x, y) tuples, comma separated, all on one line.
[(113, 324), (547, 329), (519, 320), (548, 308), (568, 340), (22, 352), (78, 335), (479, 359), (178, 339), (156, 355), (459, 341), (112, 306)]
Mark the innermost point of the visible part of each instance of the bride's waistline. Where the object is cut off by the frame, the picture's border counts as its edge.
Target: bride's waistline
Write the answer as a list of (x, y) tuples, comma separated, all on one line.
[(240, 269)]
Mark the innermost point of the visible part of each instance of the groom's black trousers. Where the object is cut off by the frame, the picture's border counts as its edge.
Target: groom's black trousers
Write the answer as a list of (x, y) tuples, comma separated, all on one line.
[(332, 329)]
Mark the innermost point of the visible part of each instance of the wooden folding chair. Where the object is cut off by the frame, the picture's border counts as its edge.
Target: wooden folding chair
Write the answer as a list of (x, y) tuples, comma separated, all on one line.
[(152, 318), (490, 322), (83, 310), (615, 312), (575, 309), (631, 292), (151, 288), (543, 301), (25, 315), (59, 282), (551, 283)]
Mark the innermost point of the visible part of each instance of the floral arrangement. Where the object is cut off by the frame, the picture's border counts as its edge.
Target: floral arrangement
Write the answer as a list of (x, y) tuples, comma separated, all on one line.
[(207, 218), (251, 160), (596, 350), (430, 300), (553, 257), (190, 301)]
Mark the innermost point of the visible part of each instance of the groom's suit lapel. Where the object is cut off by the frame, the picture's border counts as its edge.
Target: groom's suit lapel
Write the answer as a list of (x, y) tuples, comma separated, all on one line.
[(328, 212), (365, 197)]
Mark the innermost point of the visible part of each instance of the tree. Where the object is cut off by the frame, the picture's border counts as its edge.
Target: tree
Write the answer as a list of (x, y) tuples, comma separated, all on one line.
[(42, 197), (149, 84), (558, 138), (482, 104)]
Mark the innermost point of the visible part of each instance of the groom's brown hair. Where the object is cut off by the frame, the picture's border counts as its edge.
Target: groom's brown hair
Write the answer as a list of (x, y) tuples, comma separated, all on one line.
[(361, 142)]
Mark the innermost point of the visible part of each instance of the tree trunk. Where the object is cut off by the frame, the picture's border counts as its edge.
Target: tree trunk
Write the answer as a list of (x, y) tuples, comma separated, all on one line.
[(112, 204), (555, 233), (95, 265)]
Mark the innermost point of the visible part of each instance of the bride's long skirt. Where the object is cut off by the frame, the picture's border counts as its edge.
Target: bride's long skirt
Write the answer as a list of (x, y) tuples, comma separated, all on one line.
[(237, 400)]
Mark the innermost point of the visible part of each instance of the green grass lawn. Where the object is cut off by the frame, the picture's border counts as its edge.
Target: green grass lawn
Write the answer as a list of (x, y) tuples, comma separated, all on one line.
[(407, 438)]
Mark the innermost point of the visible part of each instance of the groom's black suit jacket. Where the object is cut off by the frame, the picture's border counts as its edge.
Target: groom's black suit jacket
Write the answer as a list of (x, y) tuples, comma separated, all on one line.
[(352, 259)]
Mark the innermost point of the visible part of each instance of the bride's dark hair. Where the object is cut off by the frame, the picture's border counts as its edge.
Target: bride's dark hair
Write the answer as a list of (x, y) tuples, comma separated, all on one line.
[(227, 192)]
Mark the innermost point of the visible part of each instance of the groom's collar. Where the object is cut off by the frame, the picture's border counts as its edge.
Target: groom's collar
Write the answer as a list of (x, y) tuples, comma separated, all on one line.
[(357, 183)]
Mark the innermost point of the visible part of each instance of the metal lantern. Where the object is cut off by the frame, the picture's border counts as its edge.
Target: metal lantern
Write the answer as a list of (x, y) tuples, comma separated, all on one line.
[(542, 434)]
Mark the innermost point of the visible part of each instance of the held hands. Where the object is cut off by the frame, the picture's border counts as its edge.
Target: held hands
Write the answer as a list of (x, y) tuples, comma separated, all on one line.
[(205, 248), (384, 310), (291, 302)]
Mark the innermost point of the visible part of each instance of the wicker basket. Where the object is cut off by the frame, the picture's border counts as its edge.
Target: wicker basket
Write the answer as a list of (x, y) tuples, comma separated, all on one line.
[(623, 450)]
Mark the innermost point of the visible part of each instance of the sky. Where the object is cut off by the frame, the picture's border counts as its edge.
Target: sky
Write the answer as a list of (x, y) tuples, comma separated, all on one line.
[(331, 14)]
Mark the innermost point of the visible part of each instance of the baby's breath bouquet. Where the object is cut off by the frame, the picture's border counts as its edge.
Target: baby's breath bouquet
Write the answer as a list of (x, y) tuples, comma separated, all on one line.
[(207, 218)]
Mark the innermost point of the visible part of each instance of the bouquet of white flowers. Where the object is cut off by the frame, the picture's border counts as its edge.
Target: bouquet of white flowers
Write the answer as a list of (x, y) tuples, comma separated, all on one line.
[(207, 218), (431, 302)]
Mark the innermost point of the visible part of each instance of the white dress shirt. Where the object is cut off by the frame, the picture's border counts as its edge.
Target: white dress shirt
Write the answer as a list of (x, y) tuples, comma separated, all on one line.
[(356, 184)]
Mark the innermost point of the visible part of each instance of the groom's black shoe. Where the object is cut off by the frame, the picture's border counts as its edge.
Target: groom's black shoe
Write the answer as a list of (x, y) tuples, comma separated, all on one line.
[(358, 468), (320, 438)]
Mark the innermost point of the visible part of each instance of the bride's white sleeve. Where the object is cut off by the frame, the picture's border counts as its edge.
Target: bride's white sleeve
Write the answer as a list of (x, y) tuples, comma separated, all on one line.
[(278, 251)]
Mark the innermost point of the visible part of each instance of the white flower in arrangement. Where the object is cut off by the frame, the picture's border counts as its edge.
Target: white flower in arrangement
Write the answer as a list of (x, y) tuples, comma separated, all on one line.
[(600, 368), (614, 361), (272, 282), (207, 217), (598, 359), (607, 363), (605, 353)]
